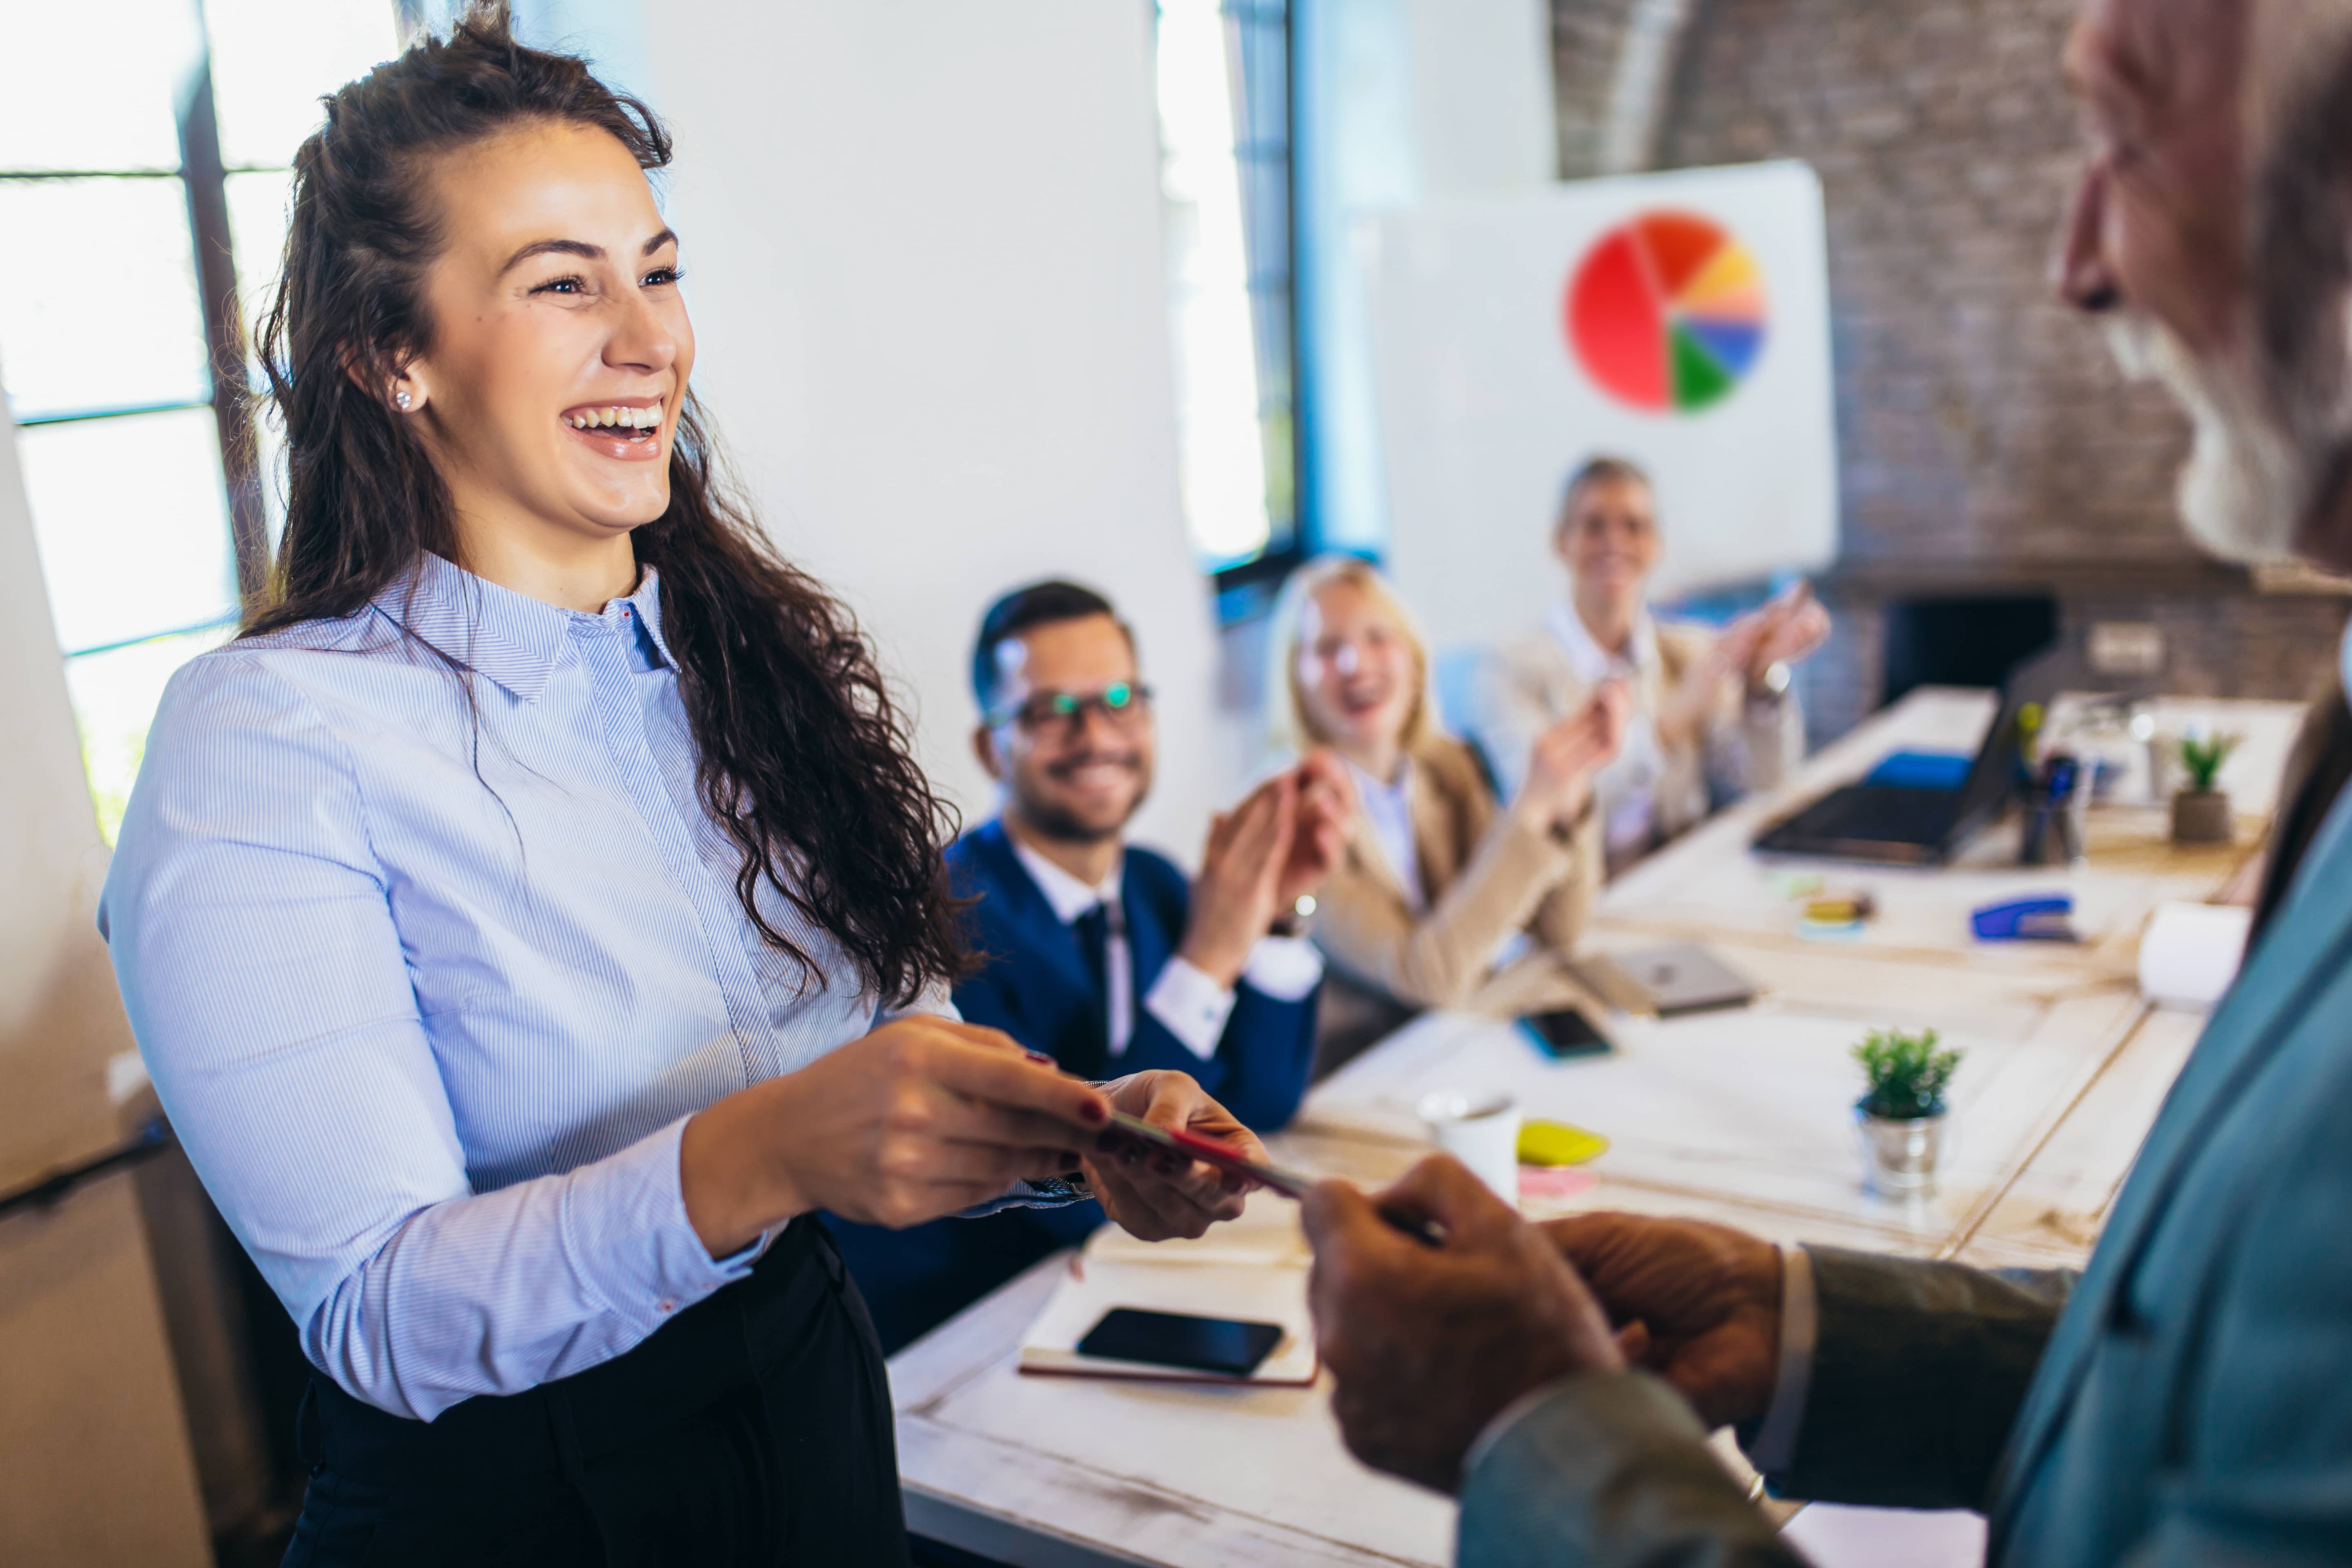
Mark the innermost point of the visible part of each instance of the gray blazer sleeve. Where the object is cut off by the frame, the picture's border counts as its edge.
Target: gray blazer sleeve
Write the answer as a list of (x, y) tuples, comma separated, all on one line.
[(1609, 1471), (1917, 1378)]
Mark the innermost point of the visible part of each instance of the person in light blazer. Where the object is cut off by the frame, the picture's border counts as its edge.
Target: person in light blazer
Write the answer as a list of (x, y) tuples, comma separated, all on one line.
[(1712, 714), (1444, 896)]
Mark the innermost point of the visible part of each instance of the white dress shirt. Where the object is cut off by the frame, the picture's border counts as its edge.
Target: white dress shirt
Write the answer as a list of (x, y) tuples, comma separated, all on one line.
[(1388, 812), (429, 989), (1187, 1001)]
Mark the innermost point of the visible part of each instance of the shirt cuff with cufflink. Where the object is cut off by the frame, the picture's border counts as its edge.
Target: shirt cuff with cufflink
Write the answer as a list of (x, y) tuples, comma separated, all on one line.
[(633, 1244)]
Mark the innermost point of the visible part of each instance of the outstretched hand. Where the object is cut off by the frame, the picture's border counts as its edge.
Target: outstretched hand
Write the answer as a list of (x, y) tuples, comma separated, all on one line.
[(1700, 1303), (1156, 1196), (1426, 1344)]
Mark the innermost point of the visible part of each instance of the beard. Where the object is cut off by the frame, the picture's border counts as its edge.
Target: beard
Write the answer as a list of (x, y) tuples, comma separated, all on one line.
[(2244, 487), (1061, 821)]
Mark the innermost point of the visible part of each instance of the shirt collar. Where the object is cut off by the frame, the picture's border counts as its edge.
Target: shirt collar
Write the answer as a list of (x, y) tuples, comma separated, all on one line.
[(1394, 791), (1593, 663), (513, 638), (1069, 896)]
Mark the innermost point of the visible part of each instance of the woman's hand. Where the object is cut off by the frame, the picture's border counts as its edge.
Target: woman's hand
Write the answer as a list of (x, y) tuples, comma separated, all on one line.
[(1155, 1195), (1327, 810), (1566, 756), (922, 1118)]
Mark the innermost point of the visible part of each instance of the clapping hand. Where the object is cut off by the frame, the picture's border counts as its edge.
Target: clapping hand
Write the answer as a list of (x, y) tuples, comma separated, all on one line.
[(1782, 632), (1567, 756), (1281, 841), (1429, 1344), (1327, 807)]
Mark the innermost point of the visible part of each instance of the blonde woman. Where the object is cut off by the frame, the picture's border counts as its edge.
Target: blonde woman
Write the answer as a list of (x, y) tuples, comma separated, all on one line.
[(1445, 898)]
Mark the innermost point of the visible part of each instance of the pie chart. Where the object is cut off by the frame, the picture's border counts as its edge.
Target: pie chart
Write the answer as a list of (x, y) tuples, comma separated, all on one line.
[(1667, 313)]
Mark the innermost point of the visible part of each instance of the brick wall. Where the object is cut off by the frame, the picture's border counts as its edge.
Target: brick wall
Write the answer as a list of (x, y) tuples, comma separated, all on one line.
[(1983, 431), (1586, 37)]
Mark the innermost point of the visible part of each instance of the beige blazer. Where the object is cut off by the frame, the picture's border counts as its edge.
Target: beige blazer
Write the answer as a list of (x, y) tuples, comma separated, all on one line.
[(1484, 877), (1744, 745)]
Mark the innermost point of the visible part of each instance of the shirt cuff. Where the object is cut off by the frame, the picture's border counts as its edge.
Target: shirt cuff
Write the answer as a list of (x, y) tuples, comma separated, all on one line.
[(633, 1244), (1190, 1006), (1059, 1194), (1285, 968), (1801, 1320)]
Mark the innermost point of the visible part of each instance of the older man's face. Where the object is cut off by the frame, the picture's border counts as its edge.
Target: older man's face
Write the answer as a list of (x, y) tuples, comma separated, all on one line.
[(2158, 219), (2162, 245)]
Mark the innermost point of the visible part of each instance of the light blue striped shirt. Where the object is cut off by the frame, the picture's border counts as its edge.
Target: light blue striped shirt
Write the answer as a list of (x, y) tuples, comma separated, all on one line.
[(431, 1039)]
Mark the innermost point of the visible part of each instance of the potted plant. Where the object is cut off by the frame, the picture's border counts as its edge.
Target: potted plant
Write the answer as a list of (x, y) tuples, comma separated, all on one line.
[(2201, 813), (1901, 1115)]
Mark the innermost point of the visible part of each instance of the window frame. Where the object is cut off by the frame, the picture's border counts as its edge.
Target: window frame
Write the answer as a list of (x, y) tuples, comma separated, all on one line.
[(1244, 588)]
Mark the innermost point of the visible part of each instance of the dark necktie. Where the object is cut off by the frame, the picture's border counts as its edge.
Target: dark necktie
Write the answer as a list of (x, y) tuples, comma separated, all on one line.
[(1093, 930)]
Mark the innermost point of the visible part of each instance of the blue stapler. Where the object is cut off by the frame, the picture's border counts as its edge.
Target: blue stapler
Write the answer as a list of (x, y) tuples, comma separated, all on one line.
[(2045, 919)]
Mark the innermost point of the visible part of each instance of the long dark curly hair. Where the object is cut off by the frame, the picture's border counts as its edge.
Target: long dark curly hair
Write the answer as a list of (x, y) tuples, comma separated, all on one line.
[(803, 757)]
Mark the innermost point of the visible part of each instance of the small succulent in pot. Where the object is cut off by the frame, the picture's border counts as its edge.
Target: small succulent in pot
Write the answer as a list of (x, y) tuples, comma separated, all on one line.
[(1901, 1119), (1907, 1074), (2201, 811)]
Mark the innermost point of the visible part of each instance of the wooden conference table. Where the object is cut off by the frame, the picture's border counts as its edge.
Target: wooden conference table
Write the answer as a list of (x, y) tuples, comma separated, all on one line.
[(1742, 1117)]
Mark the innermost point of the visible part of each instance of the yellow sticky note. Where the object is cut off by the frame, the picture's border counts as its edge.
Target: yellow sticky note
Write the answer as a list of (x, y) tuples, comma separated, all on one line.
[(1557, 1143)]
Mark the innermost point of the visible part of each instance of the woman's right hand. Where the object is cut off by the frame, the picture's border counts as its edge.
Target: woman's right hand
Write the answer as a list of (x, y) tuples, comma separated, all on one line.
[(922, 1118), (1566, 756)]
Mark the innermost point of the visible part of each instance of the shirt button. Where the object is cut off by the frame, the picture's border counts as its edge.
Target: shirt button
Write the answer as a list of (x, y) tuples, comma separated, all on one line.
[(667, 1305)]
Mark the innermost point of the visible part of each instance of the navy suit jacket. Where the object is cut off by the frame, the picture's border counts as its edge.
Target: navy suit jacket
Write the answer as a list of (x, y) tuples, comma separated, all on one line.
[(1034, 984)]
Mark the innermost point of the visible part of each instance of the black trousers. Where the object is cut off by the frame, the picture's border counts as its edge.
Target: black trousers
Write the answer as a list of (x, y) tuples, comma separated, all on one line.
[(754, 1428)]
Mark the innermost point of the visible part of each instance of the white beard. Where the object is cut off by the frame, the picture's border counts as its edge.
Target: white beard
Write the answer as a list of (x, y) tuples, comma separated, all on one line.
[(2244, 487)]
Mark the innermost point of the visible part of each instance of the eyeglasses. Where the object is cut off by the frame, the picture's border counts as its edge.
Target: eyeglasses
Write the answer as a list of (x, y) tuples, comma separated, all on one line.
[(1124, 704)]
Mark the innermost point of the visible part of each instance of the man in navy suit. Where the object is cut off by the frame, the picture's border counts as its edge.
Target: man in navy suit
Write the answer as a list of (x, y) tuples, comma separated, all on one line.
[(1097, 952)]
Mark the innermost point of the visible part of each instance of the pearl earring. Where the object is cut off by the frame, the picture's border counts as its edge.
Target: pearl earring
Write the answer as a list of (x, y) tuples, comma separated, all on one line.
[(401, 398)]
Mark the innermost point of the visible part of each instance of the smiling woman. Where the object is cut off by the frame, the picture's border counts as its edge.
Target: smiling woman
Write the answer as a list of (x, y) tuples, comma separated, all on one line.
[(535, 915)]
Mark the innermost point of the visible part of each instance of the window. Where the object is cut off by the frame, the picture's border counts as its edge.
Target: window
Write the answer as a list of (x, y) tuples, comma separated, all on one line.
[(147, 203), (1224, 119)]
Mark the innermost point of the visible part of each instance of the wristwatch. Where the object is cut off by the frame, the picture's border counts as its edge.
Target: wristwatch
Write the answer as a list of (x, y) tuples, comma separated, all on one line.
[(1293, 920), (1564, 832)]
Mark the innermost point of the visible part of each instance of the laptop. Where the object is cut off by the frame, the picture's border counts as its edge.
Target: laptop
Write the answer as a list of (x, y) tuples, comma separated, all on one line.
[(1896, 824), (1665, 982)]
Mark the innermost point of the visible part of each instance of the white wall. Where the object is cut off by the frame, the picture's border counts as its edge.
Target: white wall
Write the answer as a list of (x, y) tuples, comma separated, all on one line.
[(922, 248)]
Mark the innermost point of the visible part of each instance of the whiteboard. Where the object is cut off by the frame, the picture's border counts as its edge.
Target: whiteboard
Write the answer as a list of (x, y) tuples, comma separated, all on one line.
[(1502, 360)]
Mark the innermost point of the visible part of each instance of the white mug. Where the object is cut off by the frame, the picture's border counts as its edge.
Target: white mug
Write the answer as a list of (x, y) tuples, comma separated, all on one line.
[(1481, 1129)]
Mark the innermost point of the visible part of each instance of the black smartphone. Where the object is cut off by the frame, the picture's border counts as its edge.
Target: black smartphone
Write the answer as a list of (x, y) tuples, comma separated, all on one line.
[(1565, 1033), (1228, 1346)]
